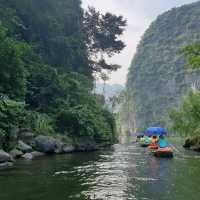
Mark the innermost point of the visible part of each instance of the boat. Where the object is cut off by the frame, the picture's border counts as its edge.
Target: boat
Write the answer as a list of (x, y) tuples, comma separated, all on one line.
[(166, 152), (145, 141), (153, 146), (139, 136), (144, 144)]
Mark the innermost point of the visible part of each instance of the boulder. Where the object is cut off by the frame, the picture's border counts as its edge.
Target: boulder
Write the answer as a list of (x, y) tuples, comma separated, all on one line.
[(59, 146), (5, 165), (15, 153), (195, 148), (25, 148), (68, 148), (27, 136), (5, 157), (86, 145), (27, 156), (32, 155), (46, 144)]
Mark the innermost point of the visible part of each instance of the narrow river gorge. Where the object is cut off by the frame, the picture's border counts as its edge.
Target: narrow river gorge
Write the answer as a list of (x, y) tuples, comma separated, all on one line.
[(122, 172)]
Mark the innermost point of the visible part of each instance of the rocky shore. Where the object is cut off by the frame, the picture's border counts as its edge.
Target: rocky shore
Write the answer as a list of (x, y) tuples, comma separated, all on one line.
[(29, 147), (193, 143)]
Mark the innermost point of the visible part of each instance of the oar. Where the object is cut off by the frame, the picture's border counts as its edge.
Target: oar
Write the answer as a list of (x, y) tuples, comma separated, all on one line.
[(174, 148)]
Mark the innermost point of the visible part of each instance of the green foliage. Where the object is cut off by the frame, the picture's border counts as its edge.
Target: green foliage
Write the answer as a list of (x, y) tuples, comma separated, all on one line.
[(11, 116), (12, 81), (44, 63), (40, 123), (84, 121), (185, 120), (192, 53), (102, 34), (53, 28)]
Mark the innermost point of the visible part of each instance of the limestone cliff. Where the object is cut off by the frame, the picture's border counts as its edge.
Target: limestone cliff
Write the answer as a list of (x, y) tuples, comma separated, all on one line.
[(158, 77)]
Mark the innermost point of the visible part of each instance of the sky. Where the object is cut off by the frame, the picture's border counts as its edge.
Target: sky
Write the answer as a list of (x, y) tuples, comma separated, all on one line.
[(139, 14)]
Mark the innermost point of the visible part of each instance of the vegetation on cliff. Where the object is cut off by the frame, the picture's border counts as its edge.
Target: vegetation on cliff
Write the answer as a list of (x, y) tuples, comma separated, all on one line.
[(47, 68), (157, 78), (186, 118)]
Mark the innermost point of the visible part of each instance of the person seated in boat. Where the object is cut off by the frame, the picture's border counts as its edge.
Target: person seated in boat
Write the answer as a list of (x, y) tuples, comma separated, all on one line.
[(154, 140), (162, 143)]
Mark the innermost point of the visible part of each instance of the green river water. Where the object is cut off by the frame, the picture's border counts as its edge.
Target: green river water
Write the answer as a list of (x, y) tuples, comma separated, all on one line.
[(123, 172)]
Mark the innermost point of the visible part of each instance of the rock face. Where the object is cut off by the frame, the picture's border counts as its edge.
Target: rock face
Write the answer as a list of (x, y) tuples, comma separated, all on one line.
[(5, 165), (15, 153), (26, 136), (25, 148), (5, 157), (32, 155), (157, 77), (68, 148), (47, 144), (85, 145)]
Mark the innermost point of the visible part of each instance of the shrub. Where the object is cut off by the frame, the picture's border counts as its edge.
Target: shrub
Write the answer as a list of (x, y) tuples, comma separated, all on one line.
[(186, 119)]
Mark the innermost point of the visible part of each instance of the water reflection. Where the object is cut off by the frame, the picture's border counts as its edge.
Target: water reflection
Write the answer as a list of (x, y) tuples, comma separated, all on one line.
[(127, 172)]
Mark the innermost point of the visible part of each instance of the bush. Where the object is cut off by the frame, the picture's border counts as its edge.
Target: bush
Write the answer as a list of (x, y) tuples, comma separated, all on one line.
[(11, 116), (40, 123), (186, 119), (84, 121)]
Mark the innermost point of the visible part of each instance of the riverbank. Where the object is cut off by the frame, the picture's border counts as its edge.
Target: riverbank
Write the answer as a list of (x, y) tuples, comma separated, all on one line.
[(192, 143), (29, 146)]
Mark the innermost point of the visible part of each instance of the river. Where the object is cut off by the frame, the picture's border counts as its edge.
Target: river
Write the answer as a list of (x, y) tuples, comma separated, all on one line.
[(121, 173)]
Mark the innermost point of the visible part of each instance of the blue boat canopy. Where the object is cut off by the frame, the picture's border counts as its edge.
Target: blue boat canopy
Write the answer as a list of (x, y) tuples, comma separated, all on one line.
[(155, 131)]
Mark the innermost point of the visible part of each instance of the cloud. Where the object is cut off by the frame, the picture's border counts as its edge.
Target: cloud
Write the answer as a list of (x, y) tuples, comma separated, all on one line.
[(139, 13)]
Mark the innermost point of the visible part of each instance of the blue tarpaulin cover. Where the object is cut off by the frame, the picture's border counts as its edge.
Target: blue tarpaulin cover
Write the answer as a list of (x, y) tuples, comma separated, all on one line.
[(155, 131)]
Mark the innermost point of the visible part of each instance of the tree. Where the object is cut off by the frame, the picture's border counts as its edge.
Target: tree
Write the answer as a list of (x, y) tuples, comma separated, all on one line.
[(105, 78), (12, 66), (102, 32), (192, 53)]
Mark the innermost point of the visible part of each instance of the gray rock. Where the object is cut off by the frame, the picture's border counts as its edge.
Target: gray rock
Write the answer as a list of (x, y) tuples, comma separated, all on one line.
[(27, 136), (85, 144), (46, 144), (59, 146), (24, 147), (15, 153), (5, 157), (33, 155), (5, 165), (28, 156), (68, 148), (195, 148)]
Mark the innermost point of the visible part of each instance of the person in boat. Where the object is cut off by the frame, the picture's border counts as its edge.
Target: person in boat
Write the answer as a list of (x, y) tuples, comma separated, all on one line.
[(154, 140), (162, 143)]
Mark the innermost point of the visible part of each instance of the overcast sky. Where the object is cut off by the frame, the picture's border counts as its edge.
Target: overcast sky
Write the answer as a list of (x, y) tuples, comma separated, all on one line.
[(139, 13)]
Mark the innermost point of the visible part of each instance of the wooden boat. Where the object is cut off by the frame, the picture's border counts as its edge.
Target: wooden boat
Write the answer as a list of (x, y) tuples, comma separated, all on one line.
[(165, 152), (153, 146)]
